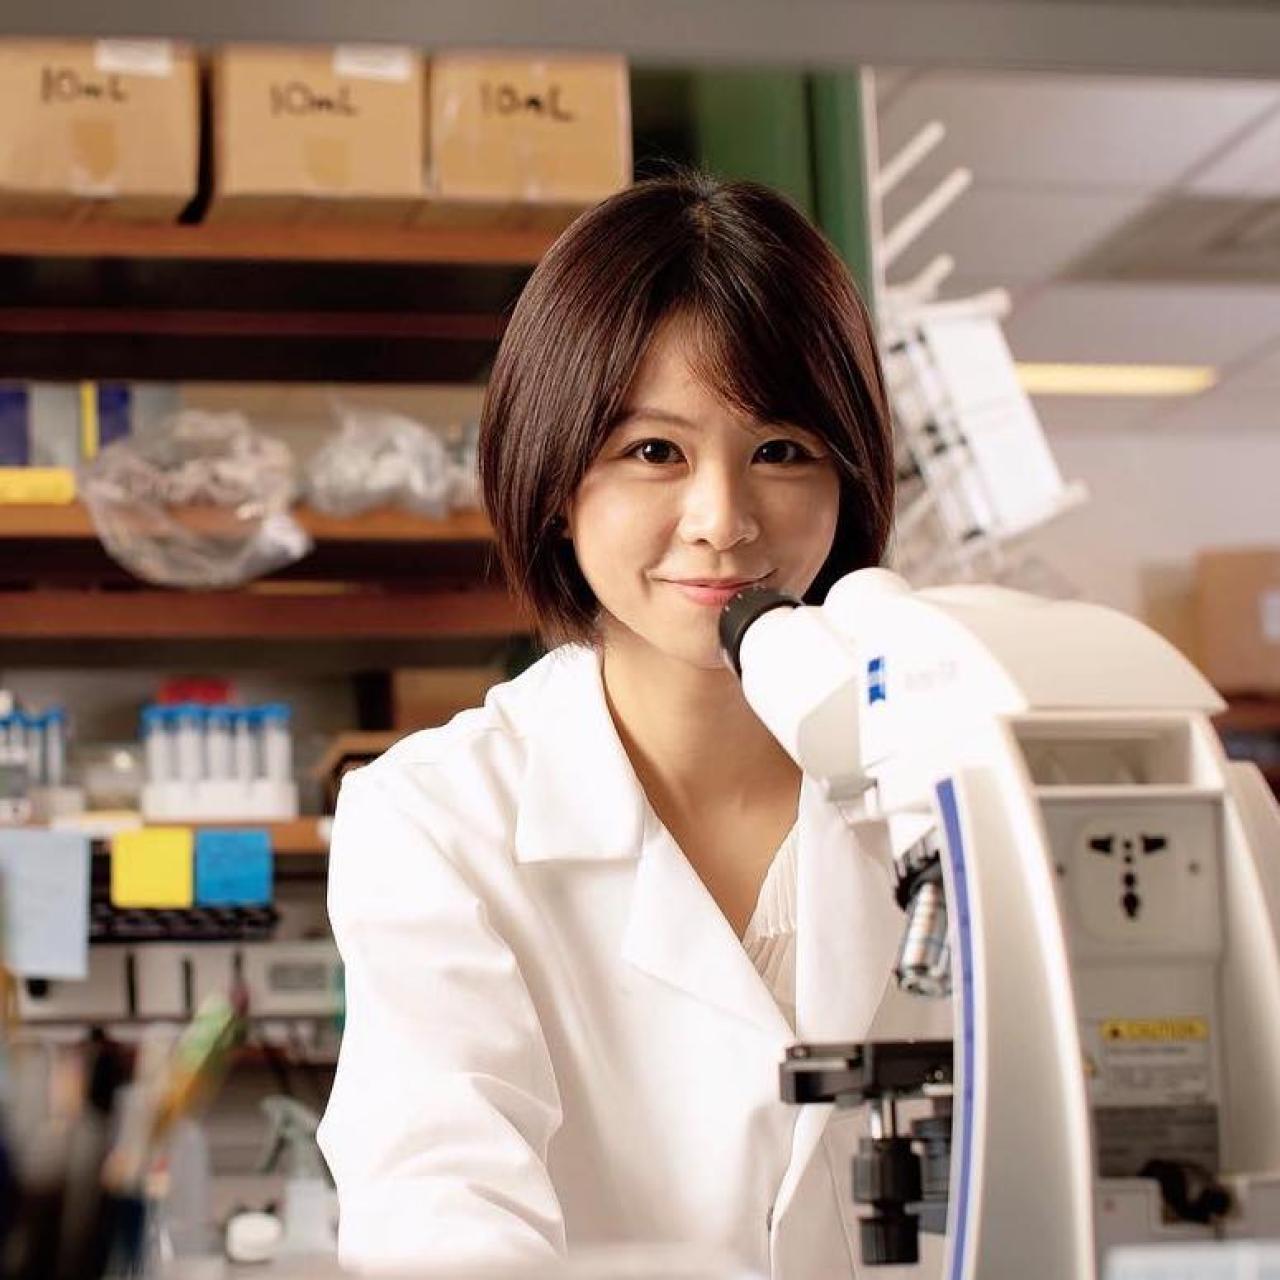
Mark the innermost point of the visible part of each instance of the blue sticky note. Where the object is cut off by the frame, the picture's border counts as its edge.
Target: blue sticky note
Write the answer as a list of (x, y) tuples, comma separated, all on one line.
[(15, 425), (115, 402), (44, 892), (233, 867)]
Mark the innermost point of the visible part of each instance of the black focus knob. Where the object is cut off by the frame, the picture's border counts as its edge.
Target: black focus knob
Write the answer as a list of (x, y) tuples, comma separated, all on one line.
[(890, 1239), (886, 1172), (742, 611)]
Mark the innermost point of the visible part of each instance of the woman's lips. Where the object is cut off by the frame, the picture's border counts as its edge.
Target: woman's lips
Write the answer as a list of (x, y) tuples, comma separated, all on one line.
[(715, 595)]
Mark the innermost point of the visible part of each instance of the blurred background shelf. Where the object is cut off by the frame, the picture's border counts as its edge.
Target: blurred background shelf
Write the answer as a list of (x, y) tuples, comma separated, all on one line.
[(41, 238), (174, 303), (71, 521), (331, 611), (385, 575), (1250, 715)]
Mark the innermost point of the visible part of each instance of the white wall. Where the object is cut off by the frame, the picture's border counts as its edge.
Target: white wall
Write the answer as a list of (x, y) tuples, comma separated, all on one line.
[(1158, 495)]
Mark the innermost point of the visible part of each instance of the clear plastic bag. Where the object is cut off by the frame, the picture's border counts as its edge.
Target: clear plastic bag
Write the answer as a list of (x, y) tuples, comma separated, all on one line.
[(201, 503), (379, 459)]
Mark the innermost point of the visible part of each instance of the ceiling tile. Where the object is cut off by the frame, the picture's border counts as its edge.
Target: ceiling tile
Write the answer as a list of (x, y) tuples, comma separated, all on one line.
[(1251, 167), (1147, 323), (1084, 131), (1013, 235), (1261, 374), (1065, 414), (1222, 409)]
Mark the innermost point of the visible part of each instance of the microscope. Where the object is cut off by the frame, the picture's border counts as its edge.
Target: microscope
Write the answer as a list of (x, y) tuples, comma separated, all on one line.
[(1085, 878)]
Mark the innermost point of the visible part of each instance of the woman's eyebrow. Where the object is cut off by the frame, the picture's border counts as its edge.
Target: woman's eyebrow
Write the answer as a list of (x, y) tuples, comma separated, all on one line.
[(653, 415)]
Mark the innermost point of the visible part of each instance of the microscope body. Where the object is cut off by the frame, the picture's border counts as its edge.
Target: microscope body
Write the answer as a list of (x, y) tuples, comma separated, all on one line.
[(1112, 902)]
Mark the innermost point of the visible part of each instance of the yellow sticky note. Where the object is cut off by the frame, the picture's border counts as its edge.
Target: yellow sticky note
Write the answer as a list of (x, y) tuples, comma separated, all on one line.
[(153, 867)]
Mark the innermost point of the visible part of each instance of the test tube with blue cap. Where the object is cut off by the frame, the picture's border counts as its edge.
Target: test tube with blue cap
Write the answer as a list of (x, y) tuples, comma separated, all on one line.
[(24, 738), (277, 747), (243, 745), (157, 745), (54, 755), (189, 725), (220, 721)]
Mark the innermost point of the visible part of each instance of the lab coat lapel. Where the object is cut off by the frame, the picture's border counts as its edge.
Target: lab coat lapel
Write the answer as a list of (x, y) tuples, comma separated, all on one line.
[(579, 796), (848, 930), (676, 933), (580, 800)]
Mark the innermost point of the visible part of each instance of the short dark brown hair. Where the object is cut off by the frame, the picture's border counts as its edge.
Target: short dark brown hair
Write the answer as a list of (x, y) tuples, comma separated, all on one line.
[(779, 333)]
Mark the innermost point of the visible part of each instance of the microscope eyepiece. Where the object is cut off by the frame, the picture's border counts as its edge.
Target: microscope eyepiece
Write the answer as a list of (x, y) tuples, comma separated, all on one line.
[(742, 611)]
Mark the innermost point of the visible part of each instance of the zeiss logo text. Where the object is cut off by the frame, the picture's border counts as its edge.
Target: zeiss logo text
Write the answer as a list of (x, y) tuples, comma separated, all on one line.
[(876, 691)]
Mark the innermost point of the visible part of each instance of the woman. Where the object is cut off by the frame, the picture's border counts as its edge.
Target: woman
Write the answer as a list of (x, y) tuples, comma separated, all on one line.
[(581, 924)]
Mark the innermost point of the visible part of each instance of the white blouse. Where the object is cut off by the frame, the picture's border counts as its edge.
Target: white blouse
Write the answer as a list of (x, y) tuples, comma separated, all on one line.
[(770, 936)]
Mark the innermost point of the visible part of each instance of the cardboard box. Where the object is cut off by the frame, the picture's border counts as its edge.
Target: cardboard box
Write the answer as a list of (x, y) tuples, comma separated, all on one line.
[(317, 134), (98, 129), (524, 140), (425, 696), (1238, 618)]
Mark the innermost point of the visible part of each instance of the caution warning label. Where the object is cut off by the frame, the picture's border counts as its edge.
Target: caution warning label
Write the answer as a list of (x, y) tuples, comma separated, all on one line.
[(1157, 1029), (1149, 1060)]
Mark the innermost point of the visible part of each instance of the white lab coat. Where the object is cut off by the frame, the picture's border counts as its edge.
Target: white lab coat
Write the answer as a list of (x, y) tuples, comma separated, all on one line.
[(554, 1038)]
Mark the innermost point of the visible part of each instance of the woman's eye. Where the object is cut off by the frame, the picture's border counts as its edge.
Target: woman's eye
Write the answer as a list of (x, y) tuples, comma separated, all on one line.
[(657, 452), (782, 451)]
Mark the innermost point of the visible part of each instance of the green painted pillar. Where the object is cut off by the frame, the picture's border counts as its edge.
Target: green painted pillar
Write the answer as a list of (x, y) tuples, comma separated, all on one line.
[(755, 124), (801, 133), (842, 190)]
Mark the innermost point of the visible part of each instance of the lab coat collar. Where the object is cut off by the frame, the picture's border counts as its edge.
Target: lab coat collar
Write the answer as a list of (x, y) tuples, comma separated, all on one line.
[(581, 800), (677, 934), (579, 796)]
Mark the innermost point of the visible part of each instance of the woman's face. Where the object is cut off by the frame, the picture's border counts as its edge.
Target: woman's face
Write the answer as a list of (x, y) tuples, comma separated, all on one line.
[(688, 501)]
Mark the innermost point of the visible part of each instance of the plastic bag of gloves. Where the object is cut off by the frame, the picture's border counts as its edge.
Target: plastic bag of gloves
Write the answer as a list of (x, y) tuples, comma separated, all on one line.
[(202, 502), (381, 459)]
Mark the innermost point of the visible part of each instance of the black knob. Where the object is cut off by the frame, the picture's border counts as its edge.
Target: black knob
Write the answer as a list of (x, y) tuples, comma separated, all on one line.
[(934, 1134), (886, 1172), (742, 611), (890, 1239)]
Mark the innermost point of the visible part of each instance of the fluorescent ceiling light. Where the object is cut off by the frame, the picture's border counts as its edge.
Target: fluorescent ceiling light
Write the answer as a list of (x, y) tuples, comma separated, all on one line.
[(1115, 379)]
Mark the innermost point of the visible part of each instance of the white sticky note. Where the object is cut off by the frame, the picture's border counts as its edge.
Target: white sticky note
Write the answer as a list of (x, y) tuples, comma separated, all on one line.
[(1269, 615), (44, 903), (134, 57), (392, 63)]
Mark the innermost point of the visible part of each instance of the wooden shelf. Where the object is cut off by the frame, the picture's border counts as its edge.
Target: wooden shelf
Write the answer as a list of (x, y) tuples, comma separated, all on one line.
[(72, 522), (386, 575), (32, 238), (308, 612), (257, 303), (297, 837), (305, 837), (1250, 715)]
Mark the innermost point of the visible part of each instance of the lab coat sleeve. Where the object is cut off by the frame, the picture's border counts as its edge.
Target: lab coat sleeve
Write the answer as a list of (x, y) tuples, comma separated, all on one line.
[(444, 1100)]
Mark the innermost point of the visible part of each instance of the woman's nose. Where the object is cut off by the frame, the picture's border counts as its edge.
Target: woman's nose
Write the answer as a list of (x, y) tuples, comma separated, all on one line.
[(718, 509)]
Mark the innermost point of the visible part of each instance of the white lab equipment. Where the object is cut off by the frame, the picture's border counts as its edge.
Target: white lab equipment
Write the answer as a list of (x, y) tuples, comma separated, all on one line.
[(975, 472), (310, 1209), (218, 763), (1092, 882)]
